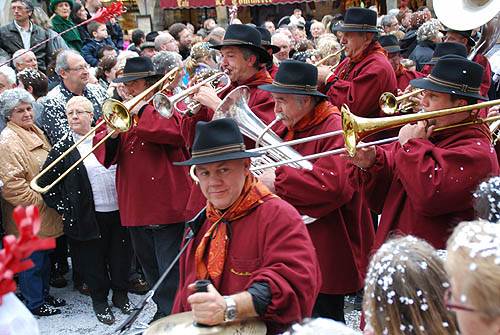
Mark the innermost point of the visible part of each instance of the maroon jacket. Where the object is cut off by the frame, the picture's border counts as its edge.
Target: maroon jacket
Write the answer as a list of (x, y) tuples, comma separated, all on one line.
[(425, 187), (403, 78), (260, 102), (151, 190), (343, 232), (271, 245), (486, 83), (363, 85)]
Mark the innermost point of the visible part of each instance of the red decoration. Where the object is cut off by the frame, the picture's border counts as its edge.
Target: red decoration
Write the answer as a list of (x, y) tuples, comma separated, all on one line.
[(107, 13), (13, 257)]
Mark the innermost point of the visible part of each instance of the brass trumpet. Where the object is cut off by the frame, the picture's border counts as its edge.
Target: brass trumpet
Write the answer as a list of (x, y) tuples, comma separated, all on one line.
[(390, 104), (116, 115), (165, 106), (356, 128), (325, 59)]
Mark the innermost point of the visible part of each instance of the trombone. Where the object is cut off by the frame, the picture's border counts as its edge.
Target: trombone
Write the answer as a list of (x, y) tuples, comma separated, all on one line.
[(325, 59), (165, 106), (356, 128), (116, 115), (390, 104)]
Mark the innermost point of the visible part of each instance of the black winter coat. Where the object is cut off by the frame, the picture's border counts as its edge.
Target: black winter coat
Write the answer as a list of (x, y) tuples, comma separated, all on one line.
[(423, 53), (11, 41), (72, 197)]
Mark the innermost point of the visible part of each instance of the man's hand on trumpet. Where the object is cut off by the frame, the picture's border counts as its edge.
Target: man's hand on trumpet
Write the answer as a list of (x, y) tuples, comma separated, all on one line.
[(493, 111), (268, 177), (415, 99), (364, 157), (207, 96), (323, 74)]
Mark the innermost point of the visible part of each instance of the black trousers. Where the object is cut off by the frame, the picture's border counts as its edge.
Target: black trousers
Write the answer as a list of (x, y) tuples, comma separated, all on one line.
[(156, 248), (106, 261), (329, 306)]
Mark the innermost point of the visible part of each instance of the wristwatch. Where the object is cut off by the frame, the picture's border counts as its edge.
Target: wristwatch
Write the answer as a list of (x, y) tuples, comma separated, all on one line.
[(231, 312)]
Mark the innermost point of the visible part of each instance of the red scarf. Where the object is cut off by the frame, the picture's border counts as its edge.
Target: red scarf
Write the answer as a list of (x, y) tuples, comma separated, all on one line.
[(216, 238), (320, 112), (372, 48)]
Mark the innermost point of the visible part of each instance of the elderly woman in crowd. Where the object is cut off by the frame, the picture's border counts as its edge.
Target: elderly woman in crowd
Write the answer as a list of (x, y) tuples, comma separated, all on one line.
[(163, 62), (87, 199), (428, 35), (23, 149), (404, 287), (473, 266), (62, 21)]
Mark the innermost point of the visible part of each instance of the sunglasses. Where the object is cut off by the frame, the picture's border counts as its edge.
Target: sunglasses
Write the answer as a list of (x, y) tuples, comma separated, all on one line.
[(447, 299)]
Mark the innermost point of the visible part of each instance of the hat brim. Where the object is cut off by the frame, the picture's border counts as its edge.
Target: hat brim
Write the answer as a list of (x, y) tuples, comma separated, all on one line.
[(275, 89), (394, 50), (470, 41), (426, 84), (340, 28), (219, 158), (274, 48), (132, 78), (263, 54)]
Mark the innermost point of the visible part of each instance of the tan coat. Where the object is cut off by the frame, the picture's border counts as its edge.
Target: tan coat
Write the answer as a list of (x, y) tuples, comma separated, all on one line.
[(22, 154)]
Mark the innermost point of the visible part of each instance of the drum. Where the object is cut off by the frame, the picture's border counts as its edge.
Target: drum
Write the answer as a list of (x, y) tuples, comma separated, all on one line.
[(183, 323)]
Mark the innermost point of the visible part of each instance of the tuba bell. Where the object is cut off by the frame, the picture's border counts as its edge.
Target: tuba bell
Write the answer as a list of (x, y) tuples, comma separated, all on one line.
[(235, 106)]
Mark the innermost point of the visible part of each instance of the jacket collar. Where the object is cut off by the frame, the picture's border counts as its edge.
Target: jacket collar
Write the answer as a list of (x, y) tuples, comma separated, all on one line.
[(32, 139)]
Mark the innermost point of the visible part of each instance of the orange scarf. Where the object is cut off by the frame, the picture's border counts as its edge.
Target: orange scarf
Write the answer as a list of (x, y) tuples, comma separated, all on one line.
[(320, 112), (372, 48), (216, 238), (260, 78), (401, 70)]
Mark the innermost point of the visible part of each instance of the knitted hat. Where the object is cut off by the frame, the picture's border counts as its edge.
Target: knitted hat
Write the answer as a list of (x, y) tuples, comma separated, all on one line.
[(53, 4)]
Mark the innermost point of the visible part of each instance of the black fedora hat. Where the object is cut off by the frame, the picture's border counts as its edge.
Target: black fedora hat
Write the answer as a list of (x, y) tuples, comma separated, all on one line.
[(216, 141), (359, 19), (295, 77), (465, 33), (241, 35), (266, 40), (454, 75), (447, 48), (137, 68), (390, 43)]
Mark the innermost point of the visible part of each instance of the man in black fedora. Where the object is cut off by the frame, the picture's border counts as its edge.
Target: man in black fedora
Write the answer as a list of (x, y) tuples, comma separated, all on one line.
[(272, 49), (403, 76), (242, 58), (152, 193), (422, 184), (443, 49), (340, 224), (251, 245), (465, 38), (365, 73)]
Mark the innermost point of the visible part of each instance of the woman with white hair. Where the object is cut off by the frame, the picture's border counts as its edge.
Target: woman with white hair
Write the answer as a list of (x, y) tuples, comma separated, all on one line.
[(23, 149), (428, 35)]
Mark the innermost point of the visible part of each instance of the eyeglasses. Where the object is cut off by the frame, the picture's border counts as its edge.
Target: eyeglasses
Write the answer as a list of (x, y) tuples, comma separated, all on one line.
[(80, 68), (447, 299), (77, 112)]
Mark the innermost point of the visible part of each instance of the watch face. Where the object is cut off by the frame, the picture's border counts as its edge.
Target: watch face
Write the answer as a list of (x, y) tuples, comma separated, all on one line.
[(231, 314)]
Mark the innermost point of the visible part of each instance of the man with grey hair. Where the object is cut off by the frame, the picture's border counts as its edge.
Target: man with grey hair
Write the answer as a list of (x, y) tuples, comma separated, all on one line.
[(27, 60), (216, 35), (284, 43), (22, 34), (74, 74), (163, 62), (166, 42), (390, 24)]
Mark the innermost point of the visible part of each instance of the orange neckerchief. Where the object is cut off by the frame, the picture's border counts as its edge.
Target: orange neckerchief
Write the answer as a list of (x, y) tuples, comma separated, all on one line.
[(401, 70), (320, 112), (260, 78), (216, 238), (372, 48)]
